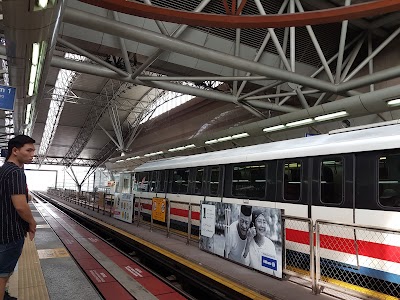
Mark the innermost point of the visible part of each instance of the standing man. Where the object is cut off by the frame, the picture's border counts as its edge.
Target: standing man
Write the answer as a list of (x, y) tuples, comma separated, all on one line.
[(16, 219), (237, 234)]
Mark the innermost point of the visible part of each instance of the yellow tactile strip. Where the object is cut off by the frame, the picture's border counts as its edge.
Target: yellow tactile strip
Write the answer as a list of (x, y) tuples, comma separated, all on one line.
[(31, 283)]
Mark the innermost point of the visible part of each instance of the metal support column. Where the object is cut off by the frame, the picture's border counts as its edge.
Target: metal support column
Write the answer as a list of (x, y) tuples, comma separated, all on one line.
[(342, 43), (371, 62), (153, 57), (373, 54), (292, 40), (123, 48), (262, 48)]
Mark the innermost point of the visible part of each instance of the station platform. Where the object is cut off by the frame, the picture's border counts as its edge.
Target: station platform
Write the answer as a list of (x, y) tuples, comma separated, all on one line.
[(46, 270), (67, 262), (250, 283)]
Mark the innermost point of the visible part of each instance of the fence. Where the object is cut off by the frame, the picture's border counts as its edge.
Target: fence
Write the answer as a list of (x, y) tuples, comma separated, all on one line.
[(85, 199), (359, 260), (299, 249), (185, 211)]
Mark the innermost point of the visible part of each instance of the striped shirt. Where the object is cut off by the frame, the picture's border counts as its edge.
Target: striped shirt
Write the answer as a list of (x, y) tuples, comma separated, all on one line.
[(12, 182)]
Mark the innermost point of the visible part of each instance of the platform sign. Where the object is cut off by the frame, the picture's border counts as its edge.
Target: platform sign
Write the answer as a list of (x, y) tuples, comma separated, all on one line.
[(7, 97), (159, 208), (123, 207)]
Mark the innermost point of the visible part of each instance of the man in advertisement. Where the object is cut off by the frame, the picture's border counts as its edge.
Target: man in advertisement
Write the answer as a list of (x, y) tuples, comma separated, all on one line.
[(236, 235)]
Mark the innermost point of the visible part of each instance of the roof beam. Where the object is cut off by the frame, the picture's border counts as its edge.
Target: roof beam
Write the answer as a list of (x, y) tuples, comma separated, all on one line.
[(336, 14), (103, 72), (148, 37)]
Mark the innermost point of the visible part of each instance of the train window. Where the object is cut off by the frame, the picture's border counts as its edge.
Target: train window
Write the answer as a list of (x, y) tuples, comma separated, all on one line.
[(249, 181), (389, 180), (161, 181), (214, 181), (198, 182), (292, 180), (180, 181), (126, 188), (141, 182), (332, 180), (153, 181)]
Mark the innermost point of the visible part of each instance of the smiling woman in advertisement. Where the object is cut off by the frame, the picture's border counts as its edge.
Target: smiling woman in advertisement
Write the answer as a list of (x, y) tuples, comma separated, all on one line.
[(260, 252)]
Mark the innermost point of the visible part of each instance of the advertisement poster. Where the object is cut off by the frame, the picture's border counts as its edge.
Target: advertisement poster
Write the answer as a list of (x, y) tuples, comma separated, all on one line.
[(249, 235), (123, 207), (101, 199), (159, 208), (207, 220)]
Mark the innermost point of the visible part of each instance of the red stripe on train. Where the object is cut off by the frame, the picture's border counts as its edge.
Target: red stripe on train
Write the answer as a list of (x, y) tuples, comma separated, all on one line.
[(177, 212), (146, 206), (369, 249), (185, 213)]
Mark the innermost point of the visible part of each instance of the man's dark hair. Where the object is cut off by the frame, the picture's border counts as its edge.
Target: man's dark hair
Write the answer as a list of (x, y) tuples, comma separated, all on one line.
[(246, 210), (18, 142)]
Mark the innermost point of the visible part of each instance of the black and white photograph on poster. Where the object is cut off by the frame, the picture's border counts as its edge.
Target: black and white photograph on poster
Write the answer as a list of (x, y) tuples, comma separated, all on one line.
[(249, 235), (214, 243)]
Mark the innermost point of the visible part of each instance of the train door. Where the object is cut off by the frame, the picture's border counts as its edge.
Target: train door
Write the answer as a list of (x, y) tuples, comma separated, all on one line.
[(333, 188), (378, 188), (198, 179), (293, 186)]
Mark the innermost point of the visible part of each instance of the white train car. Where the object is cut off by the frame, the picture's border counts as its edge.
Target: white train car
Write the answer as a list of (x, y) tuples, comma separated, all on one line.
[(350, 176)]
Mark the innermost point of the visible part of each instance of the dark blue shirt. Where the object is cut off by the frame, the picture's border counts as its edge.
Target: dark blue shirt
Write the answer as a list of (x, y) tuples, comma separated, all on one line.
[(12, 182)]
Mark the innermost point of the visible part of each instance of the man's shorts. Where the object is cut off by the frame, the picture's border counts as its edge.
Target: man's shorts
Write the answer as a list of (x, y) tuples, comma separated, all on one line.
[(9, 255)]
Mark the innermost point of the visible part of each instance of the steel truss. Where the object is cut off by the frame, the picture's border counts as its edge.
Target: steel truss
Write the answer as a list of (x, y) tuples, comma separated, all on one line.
[(336, 76), (59, 95), (56, 161), (109, 93)]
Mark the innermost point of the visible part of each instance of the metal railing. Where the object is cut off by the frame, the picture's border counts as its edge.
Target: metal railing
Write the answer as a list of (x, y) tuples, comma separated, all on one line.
[(299, 257), (345, 251), (84, 199), (187, 231)]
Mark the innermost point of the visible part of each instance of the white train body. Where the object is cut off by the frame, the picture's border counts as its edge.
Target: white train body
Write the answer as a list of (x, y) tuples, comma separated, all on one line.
[(349, 176)]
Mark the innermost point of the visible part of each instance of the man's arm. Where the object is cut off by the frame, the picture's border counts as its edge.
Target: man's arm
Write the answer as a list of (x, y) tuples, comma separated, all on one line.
[(22, 208), (17, 188), (24, 211)]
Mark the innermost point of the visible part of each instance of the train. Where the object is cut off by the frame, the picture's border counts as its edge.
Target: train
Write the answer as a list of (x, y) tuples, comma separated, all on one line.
[(350, 175)]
